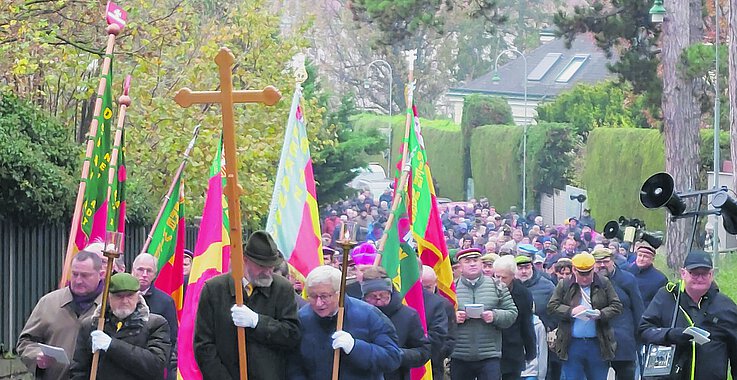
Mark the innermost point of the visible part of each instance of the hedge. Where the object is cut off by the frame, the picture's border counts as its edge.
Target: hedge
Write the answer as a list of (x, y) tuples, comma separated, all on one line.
[(497, 172), (443, 145), (617, 163)]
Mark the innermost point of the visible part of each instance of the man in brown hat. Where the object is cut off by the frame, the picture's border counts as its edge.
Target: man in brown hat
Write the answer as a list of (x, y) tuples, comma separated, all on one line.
[(649, 279), (269, 314)]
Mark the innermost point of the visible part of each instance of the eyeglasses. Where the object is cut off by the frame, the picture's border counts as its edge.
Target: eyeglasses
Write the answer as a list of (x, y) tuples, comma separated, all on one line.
[(322, 297), (699, 274), (604, 261)]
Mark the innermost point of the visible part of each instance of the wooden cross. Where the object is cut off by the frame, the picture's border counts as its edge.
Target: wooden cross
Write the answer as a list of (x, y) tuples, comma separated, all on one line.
[(227, 97)]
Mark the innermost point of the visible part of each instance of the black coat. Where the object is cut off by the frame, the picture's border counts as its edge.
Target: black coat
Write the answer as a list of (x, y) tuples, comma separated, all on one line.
[(440, 330), (162, 304), (717, 314), (519, 342), (411, 338), (139, 349), (215, 336)]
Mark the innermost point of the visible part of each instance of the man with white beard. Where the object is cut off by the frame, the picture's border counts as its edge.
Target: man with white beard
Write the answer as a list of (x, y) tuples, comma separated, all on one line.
[(133, 344)]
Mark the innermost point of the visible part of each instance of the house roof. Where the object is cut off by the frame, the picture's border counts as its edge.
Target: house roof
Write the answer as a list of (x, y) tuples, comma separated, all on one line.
[(551, 69)]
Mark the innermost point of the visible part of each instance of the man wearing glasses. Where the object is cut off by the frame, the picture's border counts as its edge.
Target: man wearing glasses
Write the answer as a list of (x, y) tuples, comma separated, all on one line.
[(625, 325), (701, 305), (368, 340), (585, 305)]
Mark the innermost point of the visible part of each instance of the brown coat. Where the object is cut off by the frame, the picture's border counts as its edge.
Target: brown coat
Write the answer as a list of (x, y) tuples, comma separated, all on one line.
[(53, 322), (567, 295)]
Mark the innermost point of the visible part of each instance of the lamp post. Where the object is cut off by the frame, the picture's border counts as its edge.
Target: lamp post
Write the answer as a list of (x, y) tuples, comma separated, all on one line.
[(391, 82), (657, 12), (496, 79)]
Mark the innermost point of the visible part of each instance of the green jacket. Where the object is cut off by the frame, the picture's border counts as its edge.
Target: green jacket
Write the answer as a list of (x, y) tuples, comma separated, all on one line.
[(478, 340), (567, 295)]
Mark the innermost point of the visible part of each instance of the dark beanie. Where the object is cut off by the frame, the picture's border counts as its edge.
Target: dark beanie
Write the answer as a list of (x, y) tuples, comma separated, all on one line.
[(373, 285)]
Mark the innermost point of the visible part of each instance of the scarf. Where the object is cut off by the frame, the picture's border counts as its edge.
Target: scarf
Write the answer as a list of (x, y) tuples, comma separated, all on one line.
[(83, 303)]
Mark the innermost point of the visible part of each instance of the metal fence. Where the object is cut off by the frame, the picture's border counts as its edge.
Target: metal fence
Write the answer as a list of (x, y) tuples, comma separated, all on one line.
[(31, 261)]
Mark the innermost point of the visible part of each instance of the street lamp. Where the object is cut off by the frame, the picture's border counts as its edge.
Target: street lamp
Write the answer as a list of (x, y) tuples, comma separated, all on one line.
[(495, 78), (391, 82), (657, 12)]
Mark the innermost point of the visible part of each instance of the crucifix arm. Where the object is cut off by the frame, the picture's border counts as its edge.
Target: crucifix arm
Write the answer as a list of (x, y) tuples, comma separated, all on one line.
[(268, 96)]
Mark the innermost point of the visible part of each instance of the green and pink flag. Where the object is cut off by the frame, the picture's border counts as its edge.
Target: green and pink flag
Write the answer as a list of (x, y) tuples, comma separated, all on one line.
[(211, 258), (94, 207), (167, 246), (293, 219)]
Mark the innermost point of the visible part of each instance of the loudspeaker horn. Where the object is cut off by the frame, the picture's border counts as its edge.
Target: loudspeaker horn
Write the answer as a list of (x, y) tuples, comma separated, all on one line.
[(659, 191), (612, 230), (656, 242), (728, 207), (580, 198)]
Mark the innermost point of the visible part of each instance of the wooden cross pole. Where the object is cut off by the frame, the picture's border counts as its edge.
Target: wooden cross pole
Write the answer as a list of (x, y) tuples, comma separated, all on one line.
[(226, 97)]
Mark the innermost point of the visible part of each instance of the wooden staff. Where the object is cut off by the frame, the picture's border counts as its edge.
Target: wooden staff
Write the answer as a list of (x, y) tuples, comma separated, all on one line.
[(111, 256), (404, 163), (347, 244), (227, 97), (112, 30), (178, 174)]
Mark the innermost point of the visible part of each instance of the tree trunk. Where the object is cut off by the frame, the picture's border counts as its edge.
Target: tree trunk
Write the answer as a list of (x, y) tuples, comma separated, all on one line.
[(732, 38), (680, 118)]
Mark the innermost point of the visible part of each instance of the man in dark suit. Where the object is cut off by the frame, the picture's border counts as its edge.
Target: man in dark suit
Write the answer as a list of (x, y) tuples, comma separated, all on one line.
[(268, 313)]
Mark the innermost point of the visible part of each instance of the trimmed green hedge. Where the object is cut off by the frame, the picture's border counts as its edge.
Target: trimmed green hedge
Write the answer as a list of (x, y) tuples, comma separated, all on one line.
[(617, 163), (497, 171), (443, 145)]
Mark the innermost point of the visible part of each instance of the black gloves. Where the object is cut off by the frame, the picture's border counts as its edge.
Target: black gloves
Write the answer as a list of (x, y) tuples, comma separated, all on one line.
[(677, 336)]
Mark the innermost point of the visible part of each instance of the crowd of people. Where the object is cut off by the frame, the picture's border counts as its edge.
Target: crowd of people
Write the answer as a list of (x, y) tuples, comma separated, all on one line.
[(533, 302)]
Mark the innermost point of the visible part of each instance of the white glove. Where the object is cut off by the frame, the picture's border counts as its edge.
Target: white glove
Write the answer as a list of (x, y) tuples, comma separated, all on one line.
[(344, 340), (243, 316), (100, 341)]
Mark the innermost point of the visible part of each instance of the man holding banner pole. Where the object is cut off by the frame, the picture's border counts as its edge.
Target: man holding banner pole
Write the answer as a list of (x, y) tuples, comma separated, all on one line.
[(268, 314)]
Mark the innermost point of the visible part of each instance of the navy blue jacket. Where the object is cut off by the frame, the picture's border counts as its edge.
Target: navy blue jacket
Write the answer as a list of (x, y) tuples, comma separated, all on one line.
[(625, 325), (162, 304), (541, 289), (411, 338), (715, 313), (374, 353), (649, 280)]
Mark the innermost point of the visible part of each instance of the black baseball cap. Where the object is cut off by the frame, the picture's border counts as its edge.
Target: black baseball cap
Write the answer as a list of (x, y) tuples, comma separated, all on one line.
[(698, 259)]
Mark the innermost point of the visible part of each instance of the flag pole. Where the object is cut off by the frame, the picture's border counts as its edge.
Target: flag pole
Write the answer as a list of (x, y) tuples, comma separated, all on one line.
[(113, 30), (124, 101), (346, 242), (404, 163), (177, 174)]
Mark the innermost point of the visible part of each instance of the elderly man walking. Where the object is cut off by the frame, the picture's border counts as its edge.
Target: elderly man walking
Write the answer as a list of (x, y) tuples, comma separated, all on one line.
[(268, 313), (485, 307), (134, 343), (368, 341), (700, 305), (585, 306), (57, 317)]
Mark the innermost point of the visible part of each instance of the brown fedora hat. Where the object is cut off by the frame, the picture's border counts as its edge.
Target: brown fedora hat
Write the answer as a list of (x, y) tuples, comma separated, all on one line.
[(261, 249)]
